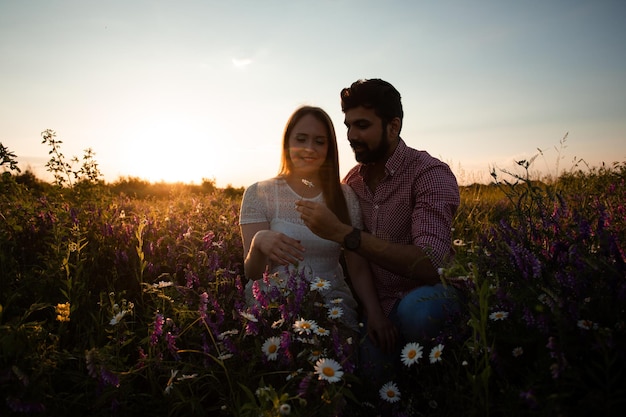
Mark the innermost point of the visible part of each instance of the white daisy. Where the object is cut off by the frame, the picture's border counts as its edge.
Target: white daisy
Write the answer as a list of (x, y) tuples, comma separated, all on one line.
[(163, 284), (498, 315), (334, 312), (116, 318), (435, 353), (320, 284), (304, 326), (390, 392), (227, 333), (517, 352), (270, 347), (321, 331), (278, 323), (315, 354), (411, 353), (284, 409), (248, 316), (587, 324), (328, 369), (225, 356)]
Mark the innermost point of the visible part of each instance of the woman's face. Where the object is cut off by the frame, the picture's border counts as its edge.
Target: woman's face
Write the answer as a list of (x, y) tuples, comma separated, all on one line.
[(308, 146)]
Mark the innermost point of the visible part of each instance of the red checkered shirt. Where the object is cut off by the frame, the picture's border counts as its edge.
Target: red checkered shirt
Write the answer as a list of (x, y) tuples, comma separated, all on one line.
[(413, 204)]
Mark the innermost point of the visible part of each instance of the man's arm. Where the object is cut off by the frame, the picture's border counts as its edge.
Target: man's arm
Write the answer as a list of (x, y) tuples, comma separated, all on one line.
[(406, 260)]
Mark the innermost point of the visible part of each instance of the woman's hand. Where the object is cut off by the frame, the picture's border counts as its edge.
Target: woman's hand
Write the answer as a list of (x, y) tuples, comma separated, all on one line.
[(279, 248)]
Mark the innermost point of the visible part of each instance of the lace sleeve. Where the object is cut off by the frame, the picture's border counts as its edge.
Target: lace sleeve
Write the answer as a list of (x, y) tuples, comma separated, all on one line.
[(354, 208), (253, 207)]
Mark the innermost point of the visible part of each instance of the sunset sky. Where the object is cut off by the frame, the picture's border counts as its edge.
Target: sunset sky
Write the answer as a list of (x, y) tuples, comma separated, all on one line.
[(186, 90)]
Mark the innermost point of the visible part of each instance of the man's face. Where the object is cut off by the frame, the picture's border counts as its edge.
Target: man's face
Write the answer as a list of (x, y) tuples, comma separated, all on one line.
[(366, 134)]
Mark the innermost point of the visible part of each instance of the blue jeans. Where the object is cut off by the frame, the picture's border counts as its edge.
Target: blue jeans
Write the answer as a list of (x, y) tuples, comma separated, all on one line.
[(418, 316)]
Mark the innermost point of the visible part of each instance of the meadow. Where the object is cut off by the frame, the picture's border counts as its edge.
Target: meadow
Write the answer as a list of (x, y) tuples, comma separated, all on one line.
[(126, 299)]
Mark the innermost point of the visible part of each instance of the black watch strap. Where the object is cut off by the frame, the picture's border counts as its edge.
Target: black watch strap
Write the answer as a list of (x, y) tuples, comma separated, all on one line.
[(352, 241)]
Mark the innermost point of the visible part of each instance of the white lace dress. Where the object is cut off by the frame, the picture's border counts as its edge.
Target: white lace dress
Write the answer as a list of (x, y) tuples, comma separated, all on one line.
[(273, 201)]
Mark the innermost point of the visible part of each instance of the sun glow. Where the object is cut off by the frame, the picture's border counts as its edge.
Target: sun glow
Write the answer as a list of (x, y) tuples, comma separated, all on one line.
[(174, 148)]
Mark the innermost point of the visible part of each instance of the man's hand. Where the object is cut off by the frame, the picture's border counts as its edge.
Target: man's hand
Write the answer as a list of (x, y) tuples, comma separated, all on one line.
[(322, 221), (383, 333)]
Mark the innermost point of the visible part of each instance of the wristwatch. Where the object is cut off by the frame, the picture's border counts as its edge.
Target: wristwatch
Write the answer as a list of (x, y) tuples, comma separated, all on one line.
[(352, 240)]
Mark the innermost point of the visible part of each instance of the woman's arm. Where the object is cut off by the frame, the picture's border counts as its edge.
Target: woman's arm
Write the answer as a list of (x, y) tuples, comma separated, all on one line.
[(263, 247)]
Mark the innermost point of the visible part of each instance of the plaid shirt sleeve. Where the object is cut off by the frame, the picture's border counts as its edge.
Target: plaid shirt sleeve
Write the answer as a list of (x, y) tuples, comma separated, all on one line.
[(436, 199)]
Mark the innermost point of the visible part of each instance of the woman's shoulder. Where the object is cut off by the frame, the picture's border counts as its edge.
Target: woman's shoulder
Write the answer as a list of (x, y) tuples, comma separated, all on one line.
[(263, 185), (348, 192)]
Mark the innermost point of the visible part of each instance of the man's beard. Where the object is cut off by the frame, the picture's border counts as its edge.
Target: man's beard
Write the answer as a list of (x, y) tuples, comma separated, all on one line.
[(366, 155)]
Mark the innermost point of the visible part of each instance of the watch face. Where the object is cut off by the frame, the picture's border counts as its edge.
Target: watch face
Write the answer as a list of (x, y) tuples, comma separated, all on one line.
[(352, 240)]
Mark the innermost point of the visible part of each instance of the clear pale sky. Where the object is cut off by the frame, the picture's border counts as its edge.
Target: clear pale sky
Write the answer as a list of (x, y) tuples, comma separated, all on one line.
[(186, 90)]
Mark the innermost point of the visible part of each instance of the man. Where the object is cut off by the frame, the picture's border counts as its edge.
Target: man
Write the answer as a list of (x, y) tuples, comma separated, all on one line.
[(408, 200)]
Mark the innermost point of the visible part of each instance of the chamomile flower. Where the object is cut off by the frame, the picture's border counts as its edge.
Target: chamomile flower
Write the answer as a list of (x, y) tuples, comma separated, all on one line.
[(304, 326), (227, 333), (278, 323), (335, 301), (517, 352), (390, 392), (328, 370), (435, 353), (270, 347), (411, 353), (118, 317), (335, 312), (587, 324), (315, 354), (320, 284), (248, 316), (321, 331), (163, 284), (284, 409), (498, 315)]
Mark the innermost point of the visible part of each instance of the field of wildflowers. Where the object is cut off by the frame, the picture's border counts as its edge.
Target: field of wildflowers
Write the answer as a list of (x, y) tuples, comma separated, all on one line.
[(127, 299)]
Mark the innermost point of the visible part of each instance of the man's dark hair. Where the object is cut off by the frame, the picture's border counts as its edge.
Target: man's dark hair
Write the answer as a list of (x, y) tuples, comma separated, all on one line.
[(373, 94)]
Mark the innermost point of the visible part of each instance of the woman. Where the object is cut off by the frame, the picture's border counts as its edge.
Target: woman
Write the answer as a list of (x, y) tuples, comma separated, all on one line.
[(275, 237)]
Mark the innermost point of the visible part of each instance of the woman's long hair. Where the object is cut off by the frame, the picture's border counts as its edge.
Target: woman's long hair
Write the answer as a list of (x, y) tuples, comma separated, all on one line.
[(329, 171)]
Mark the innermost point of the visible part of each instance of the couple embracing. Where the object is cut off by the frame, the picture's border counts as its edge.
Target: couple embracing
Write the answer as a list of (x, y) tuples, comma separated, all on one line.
[(390, 219)]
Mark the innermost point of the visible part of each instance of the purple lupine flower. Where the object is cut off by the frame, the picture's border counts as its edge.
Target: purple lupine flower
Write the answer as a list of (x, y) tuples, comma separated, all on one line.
[(171, 345), (285, 344), (216, 319), (525, 261), (529, 398), (303, 387), (259, 294), (191, 279), (230, 345), (19, 406), (202, 307), (141, 362), (208, 239), (158, 329), (109, 377)]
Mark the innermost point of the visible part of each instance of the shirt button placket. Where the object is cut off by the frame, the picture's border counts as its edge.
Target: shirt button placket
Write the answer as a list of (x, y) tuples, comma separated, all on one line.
[(377, 217)]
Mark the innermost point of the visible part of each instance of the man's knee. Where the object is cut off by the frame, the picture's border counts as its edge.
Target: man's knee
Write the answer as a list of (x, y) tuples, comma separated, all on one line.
[(422, 312)]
